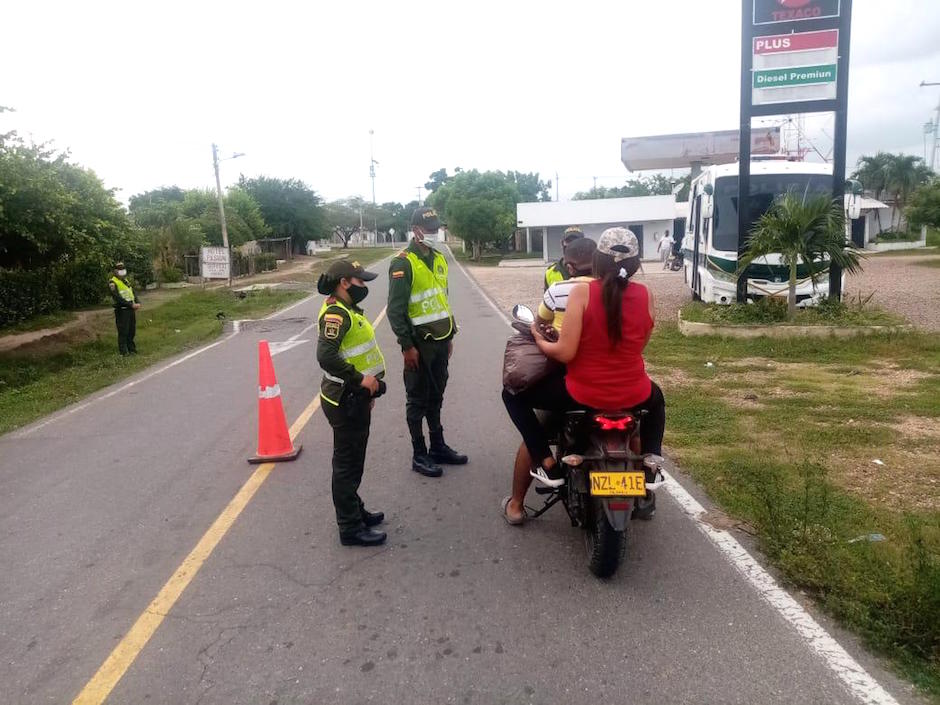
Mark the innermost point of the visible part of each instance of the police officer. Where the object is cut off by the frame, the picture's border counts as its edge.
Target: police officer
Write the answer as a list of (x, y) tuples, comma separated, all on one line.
[(557, 271), (353, 368), (126, 304), (420, 315)]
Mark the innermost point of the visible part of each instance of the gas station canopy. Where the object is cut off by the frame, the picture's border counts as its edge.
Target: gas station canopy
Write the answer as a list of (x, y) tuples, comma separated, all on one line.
[(693, 149)]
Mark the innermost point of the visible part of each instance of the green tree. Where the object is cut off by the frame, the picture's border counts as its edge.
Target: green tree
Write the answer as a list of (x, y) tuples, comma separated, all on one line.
[(531, 188), (243, 217), (923, 208), (478, 207), (903, 174), (343, 217), (436, 180), (289, 207), (657, 185), (809, 232), (51, 210)]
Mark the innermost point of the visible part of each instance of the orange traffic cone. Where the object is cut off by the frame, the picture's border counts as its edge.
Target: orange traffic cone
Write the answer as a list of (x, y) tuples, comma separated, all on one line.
[(274, 442)]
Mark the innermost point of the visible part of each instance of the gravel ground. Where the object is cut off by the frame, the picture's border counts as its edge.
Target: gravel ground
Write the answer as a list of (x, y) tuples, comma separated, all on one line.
[(514, 285), (903, 286), (900, 285)]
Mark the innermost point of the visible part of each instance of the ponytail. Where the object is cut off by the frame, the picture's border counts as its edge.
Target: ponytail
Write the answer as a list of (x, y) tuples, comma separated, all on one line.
[(615, 277)]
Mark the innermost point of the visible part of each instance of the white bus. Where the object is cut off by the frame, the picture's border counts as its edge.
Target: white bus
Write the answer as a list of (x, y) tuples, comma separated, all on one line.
[(710, 243)]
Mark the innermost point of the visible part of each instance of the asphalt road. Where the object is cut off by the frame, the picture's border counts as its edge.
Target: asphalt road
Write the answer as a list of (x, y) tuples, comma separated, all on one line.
[(99, 507)]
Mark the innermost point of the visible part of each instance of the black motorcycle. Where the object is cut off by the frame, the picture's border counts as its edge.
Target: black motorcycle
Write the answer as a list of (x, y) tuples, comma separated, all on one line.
[(608, 480)]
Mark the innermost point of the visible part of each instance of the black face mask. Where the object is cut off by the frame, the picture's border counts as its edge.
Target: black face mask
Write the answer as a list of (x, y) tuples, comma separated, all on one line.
[(357, 293)]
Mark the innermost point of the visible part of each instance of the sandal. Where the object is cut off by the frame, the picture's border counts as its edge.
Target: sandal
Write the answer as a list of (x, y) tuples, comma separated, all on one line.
[(512, 521)]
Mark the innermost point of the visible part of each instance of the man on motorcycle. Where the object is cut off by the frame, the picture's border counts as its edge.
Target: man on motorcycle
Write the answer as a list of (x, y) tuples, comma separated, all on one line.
[(608, 323)]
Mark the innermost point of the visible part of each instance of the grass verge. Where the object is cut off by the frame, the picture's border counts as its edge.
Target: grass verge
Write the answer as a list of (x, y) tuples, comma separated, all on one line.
[(36, 381), (48, 320), (774, 311), (784, 435)]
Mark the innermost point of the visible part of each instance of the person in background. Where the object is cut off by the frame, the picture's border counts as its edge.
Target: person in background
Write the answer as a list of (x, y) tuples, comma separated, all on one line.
[(126, 305), (557, 272), (665, 248)]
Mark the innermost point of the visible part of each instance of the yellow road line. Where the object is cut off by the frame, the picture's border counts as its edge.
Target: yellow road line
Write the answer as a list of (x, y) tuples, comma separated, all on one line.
[(126, 652)]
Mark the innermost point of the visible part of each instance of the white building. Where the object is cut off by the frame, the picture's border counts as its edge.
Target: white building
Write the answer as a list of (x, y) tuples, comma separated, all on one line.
[(544, 224)]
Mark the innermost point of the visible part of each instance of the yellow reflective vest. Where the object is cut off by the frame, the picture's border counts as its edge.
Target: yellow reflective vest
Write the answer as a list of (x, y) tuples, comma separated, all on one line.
[(428, 308), (124, 291), (358, 347)]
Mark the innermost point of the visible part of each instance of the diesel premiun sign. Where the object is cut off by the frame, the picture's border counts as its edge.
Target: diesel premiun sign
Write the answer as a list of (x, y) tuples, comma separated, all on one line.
[(773, 11)]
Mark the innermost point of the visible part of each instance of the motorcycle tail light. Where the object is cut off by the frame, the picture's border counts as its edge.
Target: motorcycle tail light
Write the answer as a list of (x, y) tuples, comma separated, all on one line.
[(614, 424), (572, 460), (618, 506)]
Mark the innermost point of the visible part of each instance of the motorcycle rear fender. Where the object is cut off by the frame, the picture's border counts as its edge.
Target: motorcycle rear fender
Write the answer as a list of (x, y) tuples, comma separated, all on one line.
[(618, 518)]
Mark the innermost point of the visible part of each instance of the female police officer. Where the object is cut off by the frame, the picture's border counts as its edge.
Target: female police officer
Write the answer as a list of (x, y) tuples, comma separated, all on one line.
[(352, 367)]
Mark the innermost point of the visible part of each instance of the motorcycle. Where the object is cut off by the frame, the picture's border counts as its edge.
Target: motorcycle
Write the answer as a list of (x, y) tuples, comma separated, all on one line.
[(608, 480), (675, 262)]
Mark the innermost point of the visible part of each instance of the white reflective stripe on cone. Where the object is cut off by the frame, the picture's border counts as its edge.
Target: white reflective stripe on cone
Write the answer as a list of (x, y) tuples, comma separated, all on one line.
[(269, 392), (426, 294), (430, 318)]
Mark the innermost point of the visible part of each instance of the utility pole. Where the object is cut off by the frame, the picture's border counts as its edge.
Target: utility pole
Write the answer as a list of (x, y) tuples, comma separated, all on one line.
[(936, 126), (419, 195), (372, 163), (556, 187), (218, 190)]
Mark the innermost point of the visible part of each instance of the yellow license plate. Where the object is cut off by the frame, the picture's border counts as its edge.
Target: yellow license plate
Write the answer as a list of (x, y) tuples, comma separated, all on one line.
[(618, 484)]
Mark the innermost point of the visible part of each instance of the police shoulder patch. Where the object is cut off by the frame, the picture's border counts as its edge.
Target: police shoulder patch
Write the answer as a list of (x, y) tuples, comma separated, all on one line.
[(333, 318), (400, 274), (331, 330)]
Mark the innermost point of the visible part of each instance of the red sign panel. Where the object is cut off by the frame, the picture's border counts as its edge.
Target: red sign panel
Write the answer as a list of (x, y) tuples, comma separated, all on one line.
[(772, 11), (801, 41)]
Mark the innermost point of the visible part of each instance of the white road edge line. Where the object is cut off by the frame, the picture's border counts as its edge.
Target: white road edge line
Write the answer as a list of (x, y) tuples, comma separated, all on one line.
[(855, 678)]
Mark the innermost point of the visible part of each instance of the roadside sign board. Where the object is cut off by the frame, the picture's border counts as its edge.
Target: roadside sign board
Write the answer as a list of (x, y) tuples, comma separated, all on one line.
[(214, 263), (774, 11)]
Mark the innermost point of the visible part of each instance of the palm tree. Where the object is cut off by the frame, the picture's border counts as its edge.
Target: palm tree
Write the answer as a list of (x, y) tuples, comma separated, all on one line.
[(809, 232), (904, 173), (872, 172)]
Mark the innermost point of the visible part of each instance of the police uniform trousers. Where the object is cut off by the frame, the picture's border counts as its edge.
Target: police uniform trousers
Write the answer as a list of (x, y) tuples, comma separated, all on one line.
[(424, 387), (350, 422), (125, 319)]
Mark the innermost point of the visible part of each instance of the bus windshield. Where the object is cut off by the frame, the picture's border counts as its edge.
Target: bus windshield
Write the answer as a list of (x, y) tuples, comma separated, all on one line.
[(764, 189)]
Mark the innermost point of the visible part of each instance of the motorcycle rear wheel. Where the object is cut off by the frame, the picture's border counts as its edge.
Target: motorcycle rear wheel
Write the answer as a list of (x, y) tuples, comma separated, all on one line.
[(605, 546)]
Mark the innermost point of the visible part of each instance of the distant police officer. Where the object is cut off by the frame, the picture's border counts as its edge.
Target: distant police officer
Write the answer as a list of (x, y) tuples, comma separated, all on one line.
[(353, 368), (557, 271), (126, 304), (420, 315)]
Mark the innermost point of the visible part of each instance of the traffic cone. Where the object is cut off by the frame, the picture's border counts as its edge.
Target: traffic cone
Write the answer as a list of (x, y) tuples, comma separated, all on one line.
[(274, 442)]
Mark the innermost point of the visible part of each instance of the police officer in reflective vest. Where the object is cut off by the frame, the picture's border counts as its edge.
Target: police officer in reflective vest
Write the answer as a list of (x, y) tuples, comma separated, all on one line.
[(420, 315), (557, 271), (353, 368), (126, 304)]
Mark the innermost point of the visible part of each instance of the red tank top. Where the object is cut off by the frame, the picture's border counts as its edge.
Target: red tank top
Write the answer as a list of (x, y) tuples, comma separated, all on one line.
[(608, 378)]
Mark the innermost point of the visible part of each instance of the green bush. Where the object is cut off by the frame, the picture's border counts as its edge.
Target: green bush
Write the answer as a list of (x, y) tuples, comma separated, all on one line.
[(26, 294), (265, 262), (170, 275), (82, 283), (892, 236)]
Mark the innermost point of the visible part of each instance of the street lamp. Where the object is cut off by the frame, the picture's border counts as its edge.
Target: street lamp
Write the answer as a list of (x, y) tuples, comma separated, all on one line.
[(372, 163), (218, 190)]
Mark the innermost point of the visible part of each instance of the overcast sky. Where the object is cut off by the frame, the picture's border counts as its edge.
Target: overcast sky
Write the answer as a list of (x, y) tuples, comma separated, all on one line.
[(139, 91)]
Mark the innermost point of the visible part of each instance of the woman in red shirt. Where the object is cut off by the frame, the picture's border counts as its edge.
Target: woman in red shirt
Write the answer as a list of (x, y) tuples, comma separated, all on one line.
[(607, 325)]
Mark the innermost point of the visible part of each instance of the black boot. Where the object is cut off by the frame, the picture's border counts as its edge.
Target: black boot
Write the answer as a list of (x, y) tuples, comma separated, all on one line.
[(371, 519), (362, 537), (422, 463), (443, 453)]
